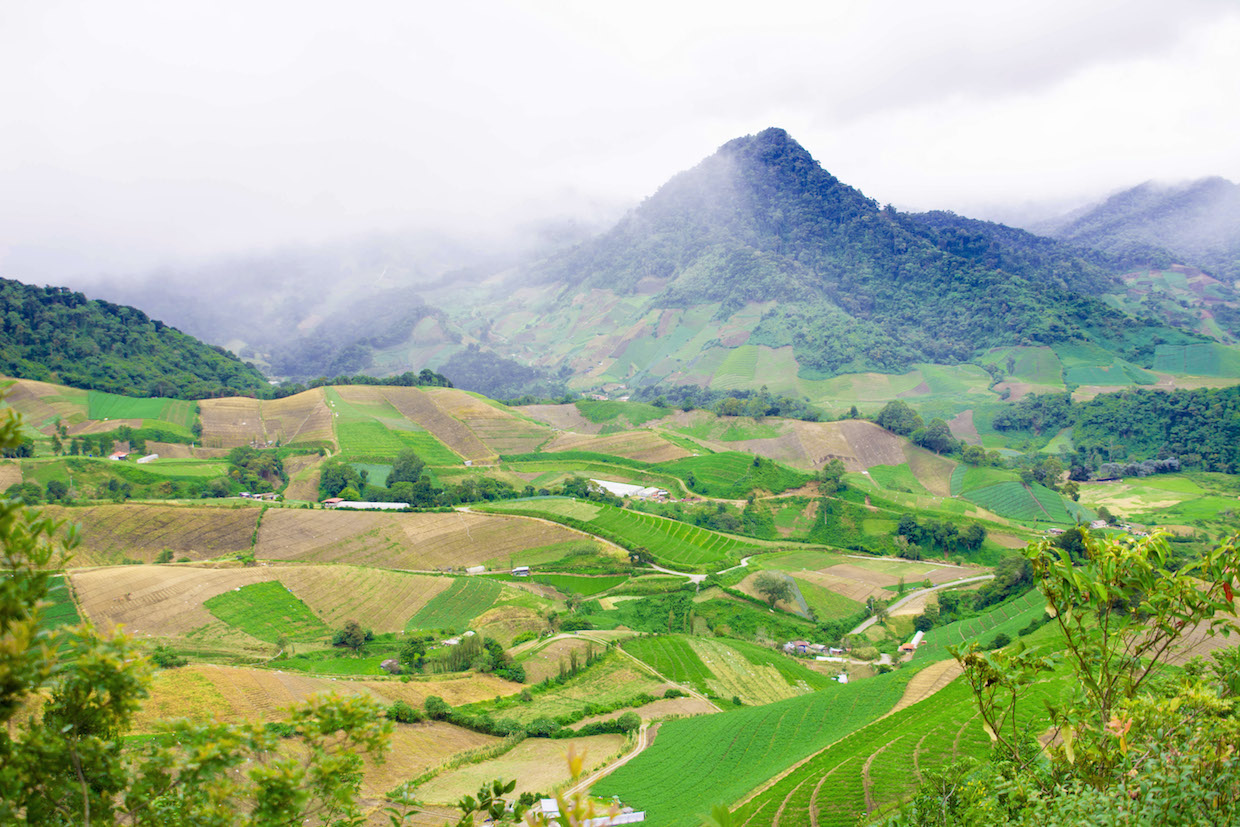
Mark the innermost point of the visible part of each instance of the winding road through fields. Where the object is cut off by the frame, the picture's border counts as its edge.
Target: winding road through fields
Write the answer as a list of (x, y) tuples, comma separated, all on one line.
[(870, 621)]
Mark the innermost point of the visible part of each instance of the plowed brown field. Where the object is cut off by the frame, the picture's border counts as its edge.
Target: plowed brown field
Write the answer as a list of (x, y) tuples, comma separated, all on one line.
[(423, 409), (40, 403), (857, 443), (234, 693), (303, 475), (303, 417), (167, 600), (506, 622), (157, 600), (10, 474), (502, 431), (962, 428), (536, 763), (111, 532), (232, 422), (564, 417), (402, 541), (931, 470), (642, 445)]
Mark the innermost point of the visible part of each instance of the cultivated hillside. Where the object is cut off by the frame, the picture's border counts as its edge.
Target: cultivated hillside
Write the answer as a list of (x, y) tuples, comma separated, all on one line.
[(758, 262)]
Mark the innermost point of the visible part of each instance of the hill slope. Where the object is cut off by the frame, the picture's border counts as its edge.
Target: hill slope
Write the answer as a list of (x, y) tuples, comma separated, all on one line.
[(54, 334), (759, 262), (1197, 223)]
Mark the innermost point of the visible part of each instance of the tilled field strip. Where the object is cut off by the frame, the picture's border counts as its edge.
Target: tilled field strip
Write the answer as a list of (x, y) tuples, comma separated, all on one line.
[(421, 408)]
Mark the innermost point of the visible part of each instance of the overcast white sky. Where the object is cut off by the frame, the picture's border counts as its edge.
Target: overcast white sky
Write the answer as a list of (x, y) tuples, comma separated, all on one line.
[(139, 133)]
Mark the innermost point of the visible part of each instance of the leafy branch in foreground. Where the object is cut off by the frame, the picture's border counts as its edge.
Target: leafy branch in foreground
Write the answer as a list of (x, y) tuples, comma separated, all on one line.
[(1131, 744)]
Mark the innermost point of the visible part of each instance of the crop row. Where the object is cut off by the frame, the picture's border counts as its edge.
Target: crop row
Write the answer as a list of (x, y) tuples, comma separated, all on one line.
[(457, 605), (883, 763), (101, 405), (671, 657), (1008, 619), (698, 762), (1013, 500), (267, 611), (790, 669), (668, 541)]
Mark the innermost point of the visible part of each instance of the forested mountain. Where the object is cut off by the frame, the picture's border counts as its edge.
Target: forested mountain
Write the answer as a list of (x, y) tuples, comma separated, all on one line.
[(55, 334), (1197, 223), (858, 287)]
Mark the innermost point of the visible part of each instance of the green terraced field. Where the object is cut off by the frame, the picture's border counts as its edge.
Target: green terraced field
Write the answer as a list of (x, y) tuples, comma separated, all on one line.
[(1014, 501), (697, 762), (102, 405), (733, 475), (966, 478), (1203, 359), (670, 541), (266, 611), (367, 439), (636, 413), (792, 670), (429, 450), (1090, 364), (586, 586), (455, 607), (897, 478), (580, 584), (62, 611), (826, 604), (672, 657), (738, 368), (1008, 618)]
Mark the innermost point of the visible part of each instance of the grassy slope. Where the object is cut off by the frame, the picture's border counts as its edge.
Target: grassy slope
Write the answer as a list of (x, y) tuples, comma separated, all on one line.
[(697, 762)]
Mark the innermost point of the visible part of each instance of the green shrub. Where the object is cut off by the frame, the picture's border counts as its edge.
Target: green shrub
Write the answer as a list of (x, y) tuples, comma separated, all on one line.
[(403, 713), (437, 709)]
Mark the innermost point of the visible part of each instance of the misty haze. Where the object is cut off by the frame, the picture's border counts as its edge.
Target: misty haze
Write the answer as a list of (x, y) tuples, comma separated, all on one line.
[(692, 415)]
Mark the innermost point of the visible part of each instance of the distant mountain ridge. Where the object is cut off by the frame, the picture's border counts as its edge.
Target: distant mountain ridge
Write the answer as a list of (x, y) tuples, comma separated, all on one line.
[(855, 286), (1195, 223), (57, 335)]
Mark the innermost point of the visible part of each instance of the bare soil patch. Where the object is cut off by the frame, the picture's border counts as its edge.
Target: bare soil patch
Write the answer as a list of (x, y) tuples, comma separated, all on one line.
[(931, 470), (416, 748), (10, 474), (424, 409), (499, 429), (871, 444), (402, 541), (962, 427), (642, 445), (536, 763), (506, 622), (546, 663), (563, 417), (665, 708), (232, 422), (303, 417), (112, 532), (157, 600), (849, 587)]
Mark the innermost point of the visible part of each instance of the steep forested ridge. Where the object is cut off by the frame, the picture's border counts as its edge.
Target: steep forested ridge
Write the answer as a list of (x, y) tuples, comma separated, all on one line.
[(858, 287), (54, 334), (1196, 223)]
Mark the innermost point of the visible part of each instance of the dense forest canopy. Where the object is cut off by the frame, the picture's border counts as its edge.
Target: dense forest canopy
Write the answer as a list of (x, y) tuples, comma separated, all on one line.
[(57, 335), (1200, 428)]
